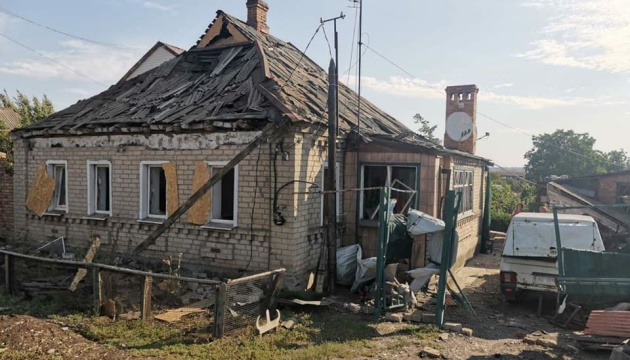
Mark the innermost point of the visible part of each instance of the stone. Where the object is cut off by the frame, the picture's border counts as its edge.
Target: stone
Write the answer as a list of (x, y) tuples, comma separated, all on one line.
[(352, 307), (430, 352), (289, 324), (443, 336), (467, 331), (547, 342), (52, 351), (415, 316), (428, 318), (394, 317), (192, 286), (454, 327)]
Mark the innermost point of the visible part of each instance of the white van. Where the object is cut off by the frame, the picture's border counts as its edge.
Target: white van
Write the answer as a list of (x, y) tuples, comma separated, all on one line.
[(529, 259)]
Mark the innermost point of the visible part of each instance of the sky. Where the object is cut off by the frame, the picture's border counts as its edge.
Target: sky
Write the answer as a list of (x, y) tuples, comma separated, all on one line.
[(540, 65)]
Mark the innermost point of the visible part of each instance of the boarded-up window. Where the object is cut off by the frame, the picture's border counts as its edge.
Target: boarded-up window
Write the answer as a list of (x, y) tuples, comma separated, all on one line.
[(401, 177)]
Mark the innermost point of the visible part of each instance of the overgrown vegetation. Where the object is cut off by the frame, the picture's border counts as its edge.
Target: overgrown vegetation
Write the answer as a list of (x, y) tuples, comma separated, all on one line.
[(506, 194)]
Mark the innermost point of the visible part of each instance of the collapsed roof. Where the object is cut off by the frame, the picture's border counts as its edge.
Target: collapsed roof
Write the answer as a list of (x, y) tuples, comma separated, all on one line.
[(234, 78)]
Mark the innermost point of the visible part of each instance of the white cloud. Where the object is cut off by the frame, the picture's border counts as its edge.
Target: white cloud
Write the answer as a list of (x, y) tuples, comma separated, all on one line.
[(416, 88), (156, 6), (588, 34), (502, 85), (103, 64)]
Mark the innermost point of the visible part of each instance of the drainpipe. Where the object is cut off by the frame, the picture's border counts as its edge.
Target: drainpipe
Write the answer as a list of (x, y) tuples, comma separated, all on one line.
[(485, 227)]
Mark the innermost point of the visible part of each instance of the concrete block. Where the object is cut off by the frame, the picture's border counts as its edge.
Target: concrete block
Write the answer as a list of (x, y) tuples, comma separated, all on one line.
[(416, 316), (430, 352), (394, 317), (454, 327), (428, 318), (467, 331)]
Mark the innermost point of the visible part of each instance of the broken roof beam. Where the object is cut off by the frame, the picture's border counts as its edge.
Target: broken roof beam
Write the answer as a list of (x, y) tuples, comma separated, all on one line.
[(269, 132)]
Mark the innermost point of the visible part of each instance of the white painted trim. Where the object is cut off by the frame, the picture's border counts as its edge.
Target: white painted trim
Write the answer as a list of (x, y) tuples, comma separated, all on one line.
[(91, 187), (49, 165), (234, 222), (143, 211), (337, 185)]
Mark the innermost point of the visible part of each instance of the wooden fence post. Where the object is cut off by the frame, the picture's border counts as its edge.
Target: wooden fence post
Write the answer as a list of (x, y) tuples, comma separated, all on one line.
[(146, 298), (97, 289), (219, 310)]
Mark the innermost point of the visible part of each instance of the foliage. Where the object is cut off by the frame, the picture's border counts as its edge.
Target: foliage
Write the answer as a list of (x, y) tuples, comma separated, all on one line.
[(30, 111), (506, 194), (617, 160), (426, 129), (564, 152)]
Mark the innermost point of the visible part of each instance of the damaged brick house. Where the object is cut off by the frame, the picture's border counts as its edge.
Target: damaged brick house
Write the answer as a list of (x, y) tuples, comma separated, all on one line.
[(118, 164)]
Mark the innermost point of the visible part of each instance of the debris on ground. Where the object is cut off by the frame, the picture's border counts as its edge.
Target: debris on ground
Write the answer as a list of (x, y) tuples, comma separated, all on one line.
[(430, 352), (394, 317), (177, 314)]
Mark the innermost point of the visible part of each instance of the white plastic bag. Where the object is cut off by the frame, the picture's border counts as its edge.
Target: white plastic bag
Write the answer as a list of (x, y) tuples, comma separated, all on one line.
[(366, 270), (347, 264)]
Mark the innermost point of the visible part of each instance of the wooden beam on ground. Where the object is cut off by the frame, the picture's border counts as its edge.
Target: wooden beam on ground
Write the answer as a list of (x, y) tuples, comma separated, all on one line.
[(269, 132), (88, 259)]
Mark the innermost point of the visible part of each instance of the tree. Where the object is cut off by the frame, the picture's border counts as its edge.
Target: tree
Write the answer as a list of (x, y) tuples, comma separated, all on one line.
[(617, 160), (426, 129), (564, 152), (30, 111)]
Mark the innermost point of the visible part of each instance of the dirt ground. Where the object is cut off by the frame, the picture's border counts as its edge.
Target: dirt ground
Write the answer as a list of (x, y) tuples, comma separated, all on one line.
[(498, 332)]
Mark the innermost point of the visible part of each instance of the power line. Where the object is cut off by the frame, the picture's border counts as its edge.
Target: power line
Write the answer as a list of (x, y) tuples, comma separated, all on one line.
[(328, 42), (102, 43), (301, 57), (441, 92), (516, 175), (52, 60)]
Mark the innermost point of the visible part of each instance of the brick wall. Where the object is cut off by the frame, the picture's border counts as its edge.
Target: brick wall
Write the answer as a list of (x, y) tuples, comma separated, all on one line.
[(255, 245), (607, 189), (6, 200)]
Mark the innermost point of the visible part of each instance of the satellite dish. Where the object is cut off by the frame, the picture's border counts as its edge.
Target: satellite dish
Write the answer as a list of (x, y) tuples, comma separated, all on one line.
[(459, 126)]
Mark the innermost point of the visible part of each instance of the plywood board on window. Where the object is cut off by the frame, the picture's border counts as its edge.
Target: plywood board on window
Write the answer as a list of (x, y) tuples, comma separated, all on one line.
[(172, 195), (199, 213), (41, 191)]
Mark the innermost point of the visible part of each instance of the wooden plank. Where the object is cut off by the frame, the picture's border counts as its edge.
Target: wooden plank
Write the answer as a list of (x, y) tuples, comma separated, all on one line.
[(97, 290), (172, 193), (177, 314), (269, 132), (145, 310), (200, 211), (88, 259), (41, 191), (219, 310)]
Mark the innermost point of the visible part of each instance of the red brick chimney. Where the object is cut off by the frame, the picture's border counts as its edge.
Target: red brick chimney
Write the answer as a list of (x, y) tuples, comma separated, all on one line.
[(461, 118), (257, 15)]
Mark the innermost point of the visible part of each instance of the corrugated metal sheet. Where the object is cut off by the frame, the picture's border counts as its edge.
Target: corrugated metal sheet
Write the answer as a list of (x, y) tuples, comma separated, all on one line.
[(595, 279), (609, 323)]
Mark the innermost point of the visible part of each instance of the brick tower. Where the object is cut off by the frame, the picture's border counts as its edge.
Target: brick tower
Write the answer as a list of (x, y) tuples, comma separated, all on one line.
[(461, 118)]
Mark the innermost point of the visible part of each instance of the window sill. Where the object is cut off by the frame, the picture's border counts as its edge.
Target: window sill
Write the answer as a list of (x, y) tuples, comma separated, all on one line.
[(218, 226), (55, 213), (464, 215), (151, 220), (368, 223), (97, 217)]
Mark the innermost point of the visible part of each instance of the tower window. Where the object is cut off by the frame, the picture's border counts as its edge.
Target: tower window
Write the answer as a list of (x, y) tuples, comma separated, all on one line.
[(469, 97), (452, 97), (461, 96)]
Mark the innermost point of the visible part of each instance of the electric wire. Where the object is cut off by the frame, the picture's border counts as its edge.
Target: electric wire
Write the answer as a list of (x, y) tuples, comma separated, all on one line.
[(286, 82), (52, 60), (101, 43), (251, 219), (327, 42), (441, 92)]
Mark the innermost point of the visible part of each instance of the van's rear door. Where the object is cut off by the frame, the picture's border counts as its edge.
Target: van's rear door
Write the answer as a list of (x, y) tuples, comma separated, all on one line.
[(538, 239)]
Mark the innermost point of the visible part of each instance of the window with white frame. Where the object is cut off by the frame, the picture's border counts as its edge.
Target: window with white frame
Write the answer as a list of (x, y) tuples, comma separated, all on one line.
[(463, 181), (224, 195), (58, 170), (153, 190), (99, 187), (324, 198), (404, 177)]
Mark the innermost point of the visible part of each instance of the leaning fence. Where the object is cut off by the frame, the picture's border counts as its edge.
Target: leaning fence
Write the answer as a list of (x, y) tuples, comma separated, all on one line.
[(232, 305)]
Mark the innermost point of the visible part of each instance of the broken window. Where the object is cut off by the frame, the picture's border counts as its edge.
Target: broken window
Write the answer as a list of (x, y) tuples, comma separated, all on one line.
[(463, 182), (99, 187), (325, 208), (402, 177), (224, 195), (153, 190), (58, 171)]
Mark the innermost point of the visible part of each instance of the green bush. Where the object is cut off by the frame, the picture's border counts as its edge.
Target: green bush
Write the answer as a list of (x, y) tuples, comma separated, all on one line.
[(499, 221)]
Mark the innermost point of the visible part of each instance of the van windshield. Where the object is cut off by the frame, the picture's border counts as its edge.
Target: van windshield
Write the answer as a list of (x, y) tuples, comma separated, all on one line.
[(538, 239)]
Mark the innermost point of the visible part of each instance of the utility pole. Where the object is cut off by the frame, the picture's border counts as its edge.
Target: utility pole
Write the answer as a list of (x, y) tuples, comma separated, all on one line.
[(333, 119)]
